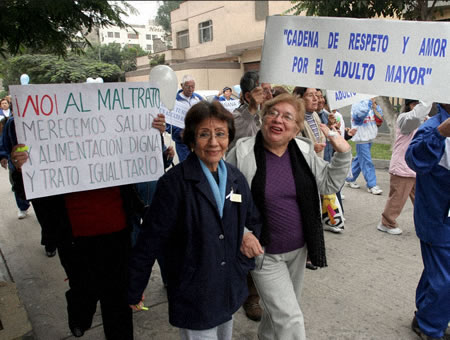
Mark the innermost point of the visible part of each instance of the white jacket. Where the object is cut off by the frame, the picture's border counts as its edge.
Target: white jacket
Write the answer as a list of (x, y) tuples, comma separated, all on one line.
[(329, 176)]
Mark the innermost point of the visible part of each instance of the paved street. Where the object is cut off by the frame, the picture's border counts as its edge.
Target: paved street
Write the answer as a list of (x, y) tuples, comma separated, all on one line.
[(367, 292)]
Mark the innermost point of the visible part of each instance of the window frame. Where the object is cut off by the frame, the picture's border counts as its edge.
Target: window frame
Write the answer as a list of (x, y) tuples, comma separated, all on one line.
[(202, 28)]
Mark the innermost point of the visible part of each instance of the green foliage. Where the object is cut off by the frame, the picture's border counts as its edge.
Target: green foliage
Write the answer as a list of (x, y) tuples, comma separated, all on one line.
[(47, 69), (124, 58), (129, 55), (54, 26), (158, 60), (163, 15), (378, 150), (403, 9)]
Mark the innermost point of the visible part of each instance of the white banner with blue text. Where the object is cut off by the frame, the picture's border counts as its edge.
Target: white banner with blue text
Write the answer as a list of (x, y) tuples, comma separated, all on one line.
[(394, 58)]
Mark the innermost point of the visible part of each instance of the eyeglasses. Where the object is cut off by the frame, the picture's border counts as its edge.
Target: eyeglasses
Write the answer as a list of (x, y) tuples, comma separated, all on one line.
[(218, 135), (286, 117), (189, 86)]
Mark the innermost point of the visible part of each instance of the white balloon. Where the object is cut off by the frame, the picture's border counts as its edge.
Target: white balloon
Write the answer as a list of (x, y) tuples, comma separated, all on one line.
[(90, 80), (99, 80), (24, 79), (167, 81)]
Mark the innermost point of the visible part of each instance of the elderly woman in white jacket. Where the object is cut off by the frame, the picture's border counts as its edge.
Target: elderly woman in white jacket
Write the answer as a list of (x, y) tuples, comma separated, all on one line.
[(286, 179)]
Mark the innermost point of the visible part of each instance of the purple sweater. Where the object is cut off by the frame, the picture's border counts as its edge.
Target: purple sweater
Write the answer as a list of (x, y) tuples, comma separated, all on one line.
[(282, 211)]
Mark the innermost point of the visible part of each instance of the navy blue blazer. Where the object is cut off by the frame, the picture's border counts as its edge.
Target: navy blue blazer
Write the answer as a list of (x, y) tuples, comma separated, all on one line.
[(206, 269)]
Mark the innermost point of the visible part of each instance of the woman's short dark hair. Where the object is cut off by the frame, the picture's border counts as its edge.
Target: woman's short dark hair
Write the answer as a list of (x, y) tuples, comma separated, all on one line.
[(299, 91), (205, 110)]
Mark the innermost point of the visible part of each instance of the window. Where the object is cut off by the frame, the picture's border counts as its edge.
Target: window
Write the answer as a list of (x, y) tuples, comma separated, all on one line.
[(116, 34), (133, 36), (148, 36), (154, 37), (110, 35), (149, 47), (205, 31), (183, 39)]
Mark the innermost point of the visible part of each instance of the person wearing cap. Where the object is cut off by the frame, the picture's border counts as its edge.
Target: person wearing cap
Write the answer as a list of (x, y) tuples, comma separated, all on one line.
[(186, 98), (428, 155), (402, 178), (364, 119), (224, 95)]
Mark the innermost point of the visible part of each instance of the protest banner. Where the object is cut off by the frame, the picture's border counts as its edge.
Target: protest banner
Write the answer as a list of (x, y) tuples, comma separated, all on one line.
[(230, 105), (176, 116), (395, 58), (87, 136), (338, 99)]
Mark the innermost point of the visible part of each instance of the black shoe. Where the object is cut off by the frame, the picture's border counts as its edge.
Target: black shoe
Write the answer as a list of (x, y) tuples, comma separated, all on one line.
[(309, 265), (50, 251), (77, 332), (416, 329)]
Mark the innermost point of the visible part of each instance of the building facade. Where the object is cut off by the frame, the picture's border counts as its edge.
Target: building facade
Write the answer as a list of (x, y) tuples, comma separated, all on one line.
[(146, 36), (215, 41)]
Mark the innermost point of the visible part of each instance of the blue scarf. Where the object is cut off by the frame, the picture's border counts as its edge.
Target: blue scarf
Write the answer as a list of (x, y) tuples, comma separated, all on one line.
[(218, 190)]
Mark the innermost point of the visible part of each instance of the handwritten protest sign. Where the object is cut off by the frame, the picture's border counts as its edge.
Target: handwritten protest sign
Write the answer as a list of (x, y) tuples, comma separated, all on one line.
[(230, 105), (87, 136), (338, 99), (176, 116), (386, 57)]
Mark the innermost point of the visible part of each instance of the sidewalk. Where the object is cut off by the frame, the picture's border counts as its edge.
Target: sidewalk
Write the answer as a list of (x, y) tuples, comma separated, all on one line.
[(366, 292)]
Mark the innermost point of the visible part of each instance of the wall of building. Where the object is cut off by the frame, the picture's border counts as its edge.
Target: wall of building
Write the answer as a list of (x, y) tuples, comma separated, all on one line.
[(143, 33), (234, 22)]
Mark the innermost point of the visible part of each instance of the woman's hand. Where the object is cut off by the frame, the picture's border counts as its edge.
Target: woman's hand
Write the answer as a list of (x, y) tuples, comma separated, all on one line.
[(336, 140), (18, 158), (169, 153), (318, 147), (140, 305), (351, 132), (250, 246), (159, 123), (4, 163)]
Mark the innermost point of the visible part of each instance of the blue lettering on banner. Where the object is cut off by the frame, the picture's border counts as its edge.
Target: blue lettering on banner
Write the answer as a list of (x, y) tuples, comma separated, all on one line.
[(340, 95), (407, 74), (300, 65), (433, 47), (354, 70), (302, 38), (368, 42)]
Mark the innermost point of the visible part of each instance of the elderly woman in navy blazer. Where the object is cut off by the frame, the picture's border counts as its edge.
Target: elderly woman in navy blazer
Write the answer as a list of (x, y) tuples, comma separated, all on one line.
[(204, 222)]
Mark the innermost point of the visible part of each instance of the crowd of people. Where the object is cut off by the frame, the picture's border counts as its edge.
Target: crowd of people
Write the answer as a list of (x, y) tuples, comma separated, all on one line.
[(239, 218)]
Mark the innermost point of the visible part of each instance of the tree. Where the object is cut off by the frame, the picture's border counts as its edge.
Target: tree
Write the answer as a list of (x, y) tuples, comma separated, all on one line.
[(421, 10), (55, 25), (163, 15), (125, 57), (48, 69)]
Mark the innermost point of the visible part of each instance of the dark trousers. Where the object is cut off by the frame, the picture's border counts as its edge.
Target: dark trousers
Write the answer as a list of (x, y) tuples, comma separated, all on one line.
[(97, 268), (42, 208)]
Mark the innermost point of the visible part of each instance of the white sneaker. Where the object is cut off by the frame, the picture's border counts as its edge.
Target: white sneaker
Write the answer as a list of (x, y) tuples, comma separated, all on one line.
[(342, 196), (375, 190), (22, 214), (353, 185), (333, 229), (392, 231)]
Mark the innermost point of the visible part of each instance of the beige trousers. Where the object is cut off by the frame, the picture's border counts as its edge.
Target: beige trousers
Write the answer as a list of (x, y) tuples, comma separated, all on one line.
[(399, 190)]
